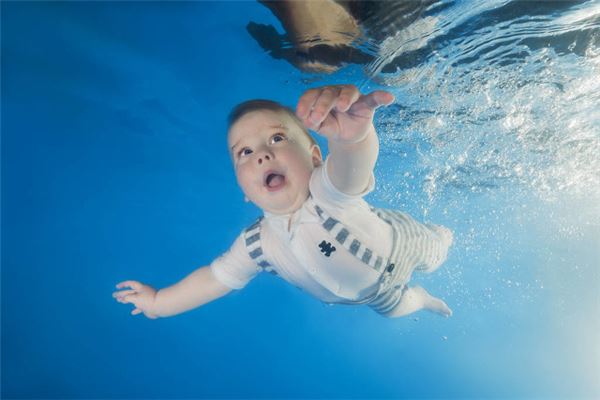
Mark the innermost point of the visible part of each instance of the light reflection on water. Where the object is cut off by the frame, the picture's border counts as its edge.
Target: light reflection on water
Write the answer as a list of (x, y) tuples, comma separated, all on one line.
[(511, 104)]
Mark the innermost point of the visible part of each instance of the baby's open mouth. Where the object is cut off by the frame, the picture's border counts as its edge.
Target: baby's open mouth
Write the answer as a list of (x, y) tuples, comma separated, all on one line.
[(274, 181)]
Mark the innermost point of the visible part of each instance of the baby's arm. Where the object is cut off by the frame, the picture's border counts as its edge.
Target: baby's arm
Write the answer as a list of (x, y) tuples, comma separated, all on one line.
[(198, 288), (345, 117)]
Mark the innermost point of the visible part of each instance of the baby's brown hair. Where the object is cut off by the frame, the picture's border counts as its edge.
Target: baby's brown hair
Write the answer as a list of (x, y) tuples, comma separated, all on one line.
[(261, 104)]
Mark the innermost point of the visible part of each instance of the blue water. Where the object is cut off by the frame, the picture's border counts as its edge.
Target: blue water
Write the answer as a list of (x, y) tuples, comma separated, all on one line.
[(114, 167)]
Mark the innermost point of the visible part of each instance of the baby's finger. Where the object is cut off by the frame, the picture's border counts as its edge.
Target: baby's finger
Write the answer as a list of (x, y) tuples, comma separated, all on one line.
[(132, 284), (377, 98), (348, 96), (136, 311), (306, 102), (129, 298), (122, 293), (323, 106)]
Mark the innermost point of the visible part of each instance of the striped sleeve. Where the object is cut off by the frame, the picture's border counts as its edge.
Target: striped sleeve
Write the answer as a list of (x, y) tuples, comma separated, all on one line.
[(235, 268)]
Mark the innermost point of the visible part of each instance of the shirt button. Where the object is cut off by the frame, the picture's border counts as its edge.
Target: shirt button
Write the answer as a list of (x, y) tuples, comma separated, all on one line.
[(313, 270)]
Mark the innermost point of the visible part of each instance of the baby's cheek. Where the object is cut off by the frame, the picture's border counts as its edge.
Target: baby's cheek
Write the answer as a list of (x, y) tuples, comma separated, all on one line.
[(243, 179)]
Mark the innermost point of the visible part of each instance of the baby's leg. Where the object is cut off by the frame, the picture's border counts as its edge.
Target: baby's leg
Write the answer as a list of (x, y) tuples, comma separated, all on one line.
[(416, 298), (442, 239)]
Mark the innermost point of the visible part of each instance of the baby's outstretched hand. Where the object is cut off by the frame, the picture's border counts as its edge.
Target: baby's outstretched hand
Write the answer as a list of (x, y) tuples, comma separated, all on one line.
[(140, 295), (341, 112)]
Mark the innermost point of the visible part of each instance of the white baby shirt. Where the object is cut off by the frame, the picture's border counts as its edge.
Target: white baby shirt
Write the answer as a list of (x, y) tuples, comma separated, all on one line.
[(295, 253)]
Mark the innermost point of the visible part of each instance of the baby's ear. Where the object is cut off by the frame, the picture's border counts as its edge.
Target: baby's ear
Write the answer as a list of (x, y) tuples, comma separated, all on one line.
[(317, 157)]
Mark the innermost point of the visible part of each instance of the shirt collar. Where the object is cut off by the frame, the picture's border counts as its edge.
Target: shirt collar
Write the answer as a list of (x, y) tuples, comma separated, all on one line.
[(275, 217), (282, 221)]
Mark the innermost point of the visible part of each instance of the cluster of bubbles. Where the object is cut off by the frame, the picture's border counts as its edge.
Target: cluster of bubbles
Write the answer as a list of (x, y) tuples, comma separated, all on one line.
[(514, 105)]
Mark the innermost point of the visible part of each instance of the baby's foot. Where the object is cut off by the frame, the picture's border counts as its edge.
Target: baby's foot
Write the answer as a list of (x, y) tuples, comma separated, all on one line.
[(434, 304), (439, 306)]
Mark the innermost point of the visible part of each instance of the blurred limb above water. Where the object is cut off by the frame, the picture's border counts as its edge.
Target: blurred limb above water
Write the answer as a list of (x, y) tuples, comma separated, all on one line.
[(323, 36)]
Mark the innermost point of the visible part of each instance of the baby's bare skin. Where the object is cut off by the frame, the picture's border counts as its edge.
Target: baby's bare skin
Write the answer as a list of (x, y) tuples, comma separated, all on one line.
[(345, 117), (198, 288), (142, 296)]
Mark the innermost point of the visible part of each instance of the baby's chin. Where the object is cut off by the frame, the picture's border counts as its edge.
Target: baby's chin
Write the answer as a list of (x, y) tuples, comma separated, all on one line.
[(285, 206)]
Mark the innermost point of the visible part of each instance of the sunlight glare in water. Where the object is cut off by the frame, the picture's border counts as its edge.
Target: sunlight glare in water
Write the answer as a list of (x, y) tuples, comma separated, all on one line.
[(504, 116)]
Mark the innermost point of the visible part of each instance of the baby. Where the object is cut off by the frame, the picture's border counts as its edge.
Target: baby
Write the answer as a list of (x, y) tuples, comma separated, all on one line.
[(317, 231)]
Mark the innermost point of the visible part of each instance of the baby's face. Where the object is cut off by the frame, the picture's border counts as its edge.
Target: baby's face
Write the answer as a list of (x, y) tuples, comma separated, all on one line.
[(273, 160)]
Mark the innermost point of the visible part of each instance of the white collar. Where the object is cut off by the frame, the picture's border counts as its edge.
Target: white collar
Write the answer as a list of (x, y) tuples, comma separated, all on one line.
[(284, 222)]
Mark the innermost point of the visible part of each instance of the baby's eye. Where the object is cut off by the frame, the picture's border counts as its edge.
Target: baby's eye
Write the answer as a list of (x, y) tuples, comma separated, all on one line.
[(278, 137), (244, 152)]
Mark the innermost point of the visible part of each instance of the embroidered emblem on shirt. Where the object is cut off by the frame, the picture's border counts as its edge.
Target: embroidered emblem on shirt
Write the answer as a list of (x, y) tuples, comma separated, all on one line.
[(326, 248)]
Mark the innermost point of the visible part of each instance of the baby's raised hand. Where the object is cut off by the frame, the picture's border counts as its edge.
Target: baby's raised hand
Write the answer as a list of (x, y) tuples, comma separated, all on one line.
[(341, 112), (140, 295)]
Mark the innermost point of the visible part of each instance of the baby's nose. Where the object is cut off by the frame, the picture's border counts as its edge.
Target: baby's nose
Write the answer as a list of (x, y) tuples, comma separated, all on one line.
[(265, 157)]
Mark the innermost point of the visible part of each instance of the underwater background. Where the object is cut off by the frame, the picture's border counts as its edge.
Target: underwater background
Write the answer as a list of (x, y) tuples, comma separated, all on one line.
[(115, 167)]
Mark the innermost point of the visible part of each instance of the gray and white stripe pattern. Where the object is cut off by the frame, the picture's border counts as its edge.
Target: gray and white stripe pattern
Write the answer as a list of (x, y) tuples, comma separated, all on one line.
[(252, 239), (345, 238), (415, 246)]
